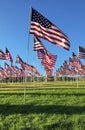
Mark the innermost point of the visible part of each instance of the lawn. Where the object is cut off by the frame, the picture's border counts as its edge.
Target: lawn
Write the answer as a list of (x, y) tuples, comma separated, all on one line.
[(42, 106)]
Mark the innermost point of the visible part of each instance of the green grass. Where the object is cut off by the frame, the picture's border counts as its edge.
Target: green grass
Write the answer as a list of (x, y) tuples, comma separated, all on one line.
[(55, 84), (45, 108)]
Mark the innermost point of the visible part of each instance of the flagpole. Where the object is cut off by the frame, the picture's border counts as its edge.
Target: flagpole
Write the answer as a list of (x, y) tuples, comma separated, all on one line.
[(77, 69), (28, 36), (27, 59), (11, 72)]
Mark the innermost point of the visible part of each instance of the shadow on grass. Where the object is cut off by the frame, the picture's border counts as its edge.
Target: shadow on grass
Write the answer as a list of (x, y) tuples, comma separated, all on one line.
[(43, 94), (6, 109)]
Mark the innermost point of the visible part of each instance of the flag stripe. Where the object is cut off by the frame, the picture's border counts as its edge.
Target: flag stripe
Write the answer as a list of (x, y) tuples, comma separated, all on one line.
[(52, 31), (38, 46), (52, 38)]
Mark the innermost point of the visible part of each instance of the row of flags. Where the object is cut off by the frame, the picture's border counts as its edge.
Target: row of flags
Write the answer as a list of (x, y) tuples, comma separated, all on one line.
[(28, 67), (47, 61), (12, 71), (6, 55), (73, 66)]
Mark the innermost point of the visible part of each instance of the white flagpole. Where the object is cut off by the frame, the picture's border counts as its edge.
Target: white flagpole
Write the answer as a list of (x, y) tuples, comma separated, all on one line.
[(77, 69), (27, 59), (28, 36)]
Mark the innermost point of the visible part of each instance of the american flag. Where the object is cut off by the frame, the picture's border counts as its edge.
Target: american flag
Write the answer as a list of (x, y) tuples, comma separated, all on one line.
[(3, 73), (41, 54), (30, 68), (8, 55), (74, 56), (70, 62), (47, 65), (81, 52), (34, 69), (19, 59), (2, 55), (50, 57), (38, 45), (47, 58), (42, 27), (48, 72), (26, 66), (48, 62), (7, 67)]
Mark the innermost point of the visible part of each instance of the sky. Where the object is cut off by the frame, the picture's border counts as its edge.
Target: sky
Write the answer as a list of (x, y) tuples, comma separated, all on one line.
[(68, 15)]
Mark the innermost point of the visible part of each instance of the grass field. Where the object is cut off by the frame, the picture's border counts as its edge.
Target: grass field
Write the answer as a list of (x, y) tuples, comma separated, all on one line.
[(45, 106)]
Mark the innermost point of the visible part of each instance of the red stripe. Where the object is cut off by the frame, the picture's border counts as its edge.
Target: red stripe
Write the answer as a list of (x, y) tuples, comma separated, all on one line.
[(67, 48), (43, 31), (53, 30)]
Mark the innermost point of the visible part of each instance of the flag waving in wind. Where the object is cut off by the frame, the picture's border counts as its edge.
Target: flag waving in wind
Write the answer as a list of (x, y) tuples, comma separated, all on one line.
[(19, 60), (48, 59), (8, 55), (81, 52), (2, 55), (43, 28), (38, 45)]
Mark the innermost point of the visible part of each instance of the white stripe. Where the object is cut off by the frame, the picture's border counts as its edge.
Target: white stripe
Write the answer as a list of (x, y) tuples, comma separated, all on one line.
[(51, 40), (54, 30)]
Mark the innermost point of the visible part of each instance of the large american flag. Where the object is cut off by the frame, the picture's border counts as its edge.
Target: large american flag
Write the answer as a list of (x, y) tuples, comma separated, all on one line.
[(81, 52), (42, 27)]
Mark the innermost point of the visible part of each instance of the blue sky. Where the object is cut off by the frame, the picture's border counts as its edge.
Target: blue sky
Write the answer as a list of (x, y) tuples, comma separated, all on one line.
[(68, 15)]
